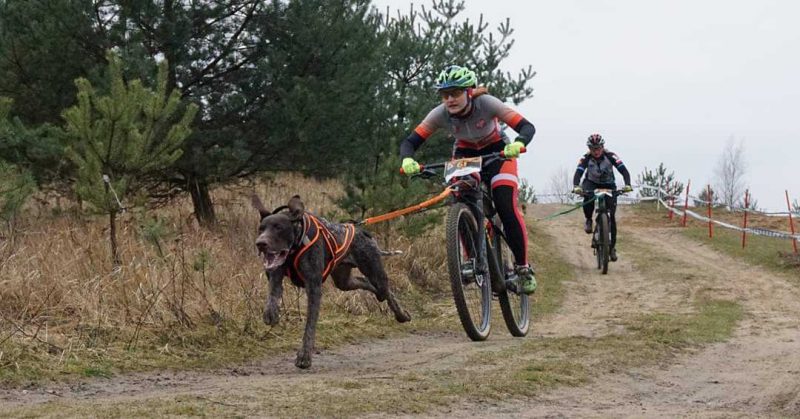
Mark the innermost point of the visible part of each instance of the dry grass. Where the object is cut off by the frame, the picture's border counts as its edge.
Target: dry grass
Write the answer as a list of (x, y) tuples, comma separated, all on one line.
[(183, 296)]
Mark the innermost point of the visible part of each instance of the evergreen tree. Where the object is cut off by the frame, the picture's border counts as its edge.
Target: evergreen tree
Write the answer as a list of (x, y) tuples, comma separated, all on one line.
[(658, 178), (120, 140), (16, 183), (705, 196), (44, 46), (39, 152)]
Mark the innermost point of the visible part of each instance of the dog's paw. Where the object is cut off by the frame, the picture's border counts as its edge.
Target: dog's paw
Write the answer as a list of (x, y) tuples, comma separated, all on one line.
[(303, 360), (402, 316), (271, 315)]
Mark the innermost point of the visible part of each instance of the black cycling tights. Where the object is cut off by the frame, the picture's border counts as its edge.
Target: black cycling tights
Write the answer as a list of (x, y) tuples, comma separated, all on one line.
[(504, 201)]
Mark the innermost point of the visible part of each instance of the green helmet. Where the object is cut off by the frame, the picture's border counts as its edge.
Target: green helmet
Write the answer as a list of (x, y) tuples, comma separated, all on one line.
[(456, 76)]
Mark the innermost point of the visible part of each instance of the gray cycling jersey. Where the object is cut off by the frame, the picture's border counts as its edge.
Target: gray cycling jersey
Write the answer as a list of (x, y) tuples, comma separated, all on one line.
[(600, 170), (477, 129)]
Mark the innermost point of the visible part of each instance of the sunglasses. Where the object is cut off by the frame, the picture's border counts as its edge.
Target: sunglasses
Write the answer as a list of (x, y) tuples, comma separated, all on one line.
[(454, 93)]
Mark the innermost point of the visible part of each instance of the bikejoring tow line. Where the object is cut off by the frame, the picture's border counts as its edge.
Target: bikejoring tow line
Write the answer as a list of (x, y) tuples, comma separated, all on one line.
[(414, 208), (574, 207)]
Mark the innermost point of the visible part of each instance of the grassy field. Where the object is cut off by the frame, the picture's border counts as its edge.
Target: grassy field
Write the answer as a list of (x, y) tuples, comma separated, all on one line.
[(189, 298), (772, 253)]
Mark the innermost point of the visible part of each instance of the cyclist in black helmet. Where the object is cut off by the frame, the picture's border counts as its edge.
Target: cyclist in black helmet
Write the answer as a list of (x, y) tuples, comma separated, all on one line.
[(472, 116), (598, 166)]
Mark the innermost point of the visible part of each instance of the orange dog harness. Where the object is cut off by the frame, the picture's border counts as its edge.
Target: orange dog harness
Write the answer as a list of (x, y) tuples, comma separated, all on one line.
[(335, 248)]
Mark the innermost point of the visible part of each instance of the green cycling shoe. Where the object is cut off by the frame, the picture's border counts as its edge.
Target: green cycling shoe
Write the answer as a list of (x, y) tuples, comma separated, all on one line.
[(527, 281)]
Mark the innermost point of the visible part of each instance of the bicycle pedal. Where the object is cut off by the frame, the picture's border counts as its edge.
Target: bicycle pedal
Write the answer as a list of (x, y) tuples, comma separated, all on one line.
[(511, 286)]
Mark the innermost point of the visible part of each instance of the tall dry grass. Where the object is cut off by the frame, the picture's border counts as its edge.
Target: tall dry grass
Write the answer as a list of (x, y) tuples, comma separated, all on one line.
[(181, 291)]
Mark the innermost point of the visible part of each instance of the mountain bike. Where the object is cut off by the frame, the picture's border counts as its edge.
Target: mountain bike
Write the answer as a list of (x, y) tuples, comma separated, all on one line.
[(479, 260), (601, 236)]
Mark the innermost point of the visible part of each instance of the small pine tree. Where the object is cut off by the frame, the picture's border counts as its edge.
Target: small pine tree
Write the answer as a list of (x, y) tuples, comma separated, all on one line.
[(16, 183), (16, 186), (706, 195), (658, 178), (527, 194), (120, 139)]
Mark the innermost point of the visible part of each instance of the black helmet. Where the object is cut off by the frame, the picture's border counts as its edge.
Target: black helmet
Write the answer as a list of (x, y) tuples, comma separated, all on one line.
[(595, 141)]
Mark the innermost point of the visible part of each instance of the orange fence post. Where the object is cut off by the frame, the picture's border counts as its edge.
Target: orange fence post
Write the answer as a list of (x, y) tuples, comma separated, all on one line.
[(686, 204), (791, 222), (710, 224), (744, 223)]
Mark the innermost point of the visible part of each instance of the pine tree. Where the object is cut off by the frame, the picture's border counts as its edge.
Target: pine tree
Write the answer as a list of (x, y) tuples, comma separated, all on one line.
[(706, 195), (121, 139), (658, 179), (16, 183)]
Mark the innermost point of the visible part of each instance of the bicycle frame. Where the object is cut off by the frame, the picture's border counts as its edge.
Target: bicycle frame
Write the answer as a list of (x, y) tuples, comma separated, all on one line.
[(483, 206), (600, 244), (489, 264)]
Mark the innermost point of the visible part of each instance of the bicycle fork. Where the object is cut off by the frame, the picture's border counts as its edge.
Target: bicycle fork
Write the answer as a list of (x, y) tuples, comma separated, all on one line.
[(474, 200)]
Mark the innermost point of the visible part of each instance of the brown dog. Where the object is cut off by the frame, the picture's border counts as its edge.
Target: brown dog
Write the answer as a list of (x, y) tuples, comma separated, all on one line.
[(309, 249)]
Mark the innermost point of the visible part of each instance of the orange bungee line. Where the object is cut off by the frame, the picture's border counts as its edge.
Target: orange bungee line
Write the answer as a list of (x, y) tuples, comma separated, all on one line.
[(404, 211)]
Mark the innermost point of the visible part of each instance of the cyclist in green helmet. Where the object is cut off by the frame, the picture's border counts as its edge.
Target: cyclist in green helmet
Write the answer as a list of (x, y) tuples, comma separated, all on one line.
[(471, 116)]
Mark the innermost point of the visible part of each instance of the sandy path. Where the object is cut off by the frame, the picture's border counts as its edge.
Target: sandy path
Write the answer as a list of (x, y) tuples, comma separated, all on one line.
[(754, 374)]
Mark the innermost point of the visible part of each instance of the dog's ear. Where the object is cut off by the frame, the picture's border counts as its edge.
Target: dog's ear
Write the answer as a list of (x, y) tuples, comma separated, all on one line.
[(296, 207), (257, 204)]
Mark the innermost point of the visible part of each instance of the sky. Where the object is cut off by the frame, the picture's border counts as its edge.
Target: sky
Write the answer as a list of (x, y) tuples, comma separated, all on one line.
[(663, 81)]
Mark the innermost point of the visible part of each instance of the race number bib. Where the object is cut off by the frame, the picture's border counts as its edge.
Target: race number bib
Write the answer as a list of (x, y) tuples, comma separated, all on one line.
[(462, 167)]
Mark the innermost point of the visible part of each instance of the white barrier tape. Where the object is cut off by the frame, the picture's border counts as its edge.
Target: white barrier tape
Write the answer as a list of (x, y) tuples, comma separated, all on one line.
[(757, 231), (666, 194)]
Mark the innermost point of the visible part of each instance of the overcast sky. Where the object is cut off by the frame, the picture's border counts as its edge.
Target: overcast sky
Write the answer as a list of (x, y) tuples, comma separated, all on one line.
[(662, 81)]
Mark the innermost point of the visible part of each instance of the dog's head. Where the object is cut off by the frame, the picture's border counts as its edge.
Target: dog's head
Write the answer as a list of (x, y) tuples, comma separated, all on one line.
[(278, 232)]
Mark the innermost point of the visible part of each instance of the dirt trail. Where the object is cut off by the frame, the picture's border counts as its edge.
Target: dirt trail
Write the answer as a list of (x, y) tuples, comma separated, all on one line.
[(755, 373)]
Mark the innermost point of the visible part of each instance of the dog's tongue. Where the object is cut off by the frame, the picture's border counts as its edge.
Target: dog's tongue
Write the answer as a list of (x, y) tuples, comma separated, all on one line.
[(273, 260)]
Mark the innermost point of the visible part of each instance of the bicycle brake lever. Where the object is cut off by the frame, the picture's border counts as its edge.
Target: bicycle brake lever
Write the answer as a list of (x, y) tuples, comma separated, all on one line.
[(425, 174)]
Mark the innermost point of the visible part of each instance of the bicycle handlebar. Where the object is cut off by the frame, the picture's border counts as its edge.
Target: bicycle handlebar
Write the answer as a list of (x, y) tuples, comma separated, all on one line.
[(487, 158), (614, 192)]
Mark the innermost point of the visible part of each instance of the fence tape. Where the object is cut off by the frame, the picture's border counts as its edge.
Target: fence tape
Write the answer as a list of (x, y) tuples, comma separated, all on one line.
[(666, 194), (756, 231)]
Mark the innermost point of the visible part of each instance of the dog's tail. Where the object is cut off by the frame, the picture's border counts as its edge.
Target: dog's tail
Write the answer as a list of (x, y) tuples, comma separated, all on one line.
[(391, 252)]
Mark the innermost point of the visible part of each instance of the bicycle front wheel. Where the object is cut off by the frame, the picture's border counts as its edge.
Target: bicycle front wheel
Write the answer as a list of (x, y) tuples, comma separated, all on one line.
[(514, 304), (604, 243), (471, 290)]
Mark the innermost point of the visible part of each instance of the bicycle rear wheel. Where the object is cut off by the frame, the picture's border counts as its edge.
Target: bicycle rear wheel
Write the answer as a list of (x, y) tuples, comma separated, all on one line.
[(604, 243), (471, 291), (514, 305)]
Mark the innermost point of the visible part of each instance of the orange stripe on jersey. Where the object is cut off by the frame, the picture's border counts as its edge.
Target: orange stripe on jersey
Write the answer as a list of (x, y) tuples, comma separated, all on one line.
[(513, 119), (423, 131)]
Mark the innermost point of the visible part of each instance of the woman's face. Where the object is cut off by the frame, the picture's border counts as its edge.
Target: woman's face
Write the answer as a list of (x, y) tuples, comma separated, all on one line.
[(597, 152), (455, 100)]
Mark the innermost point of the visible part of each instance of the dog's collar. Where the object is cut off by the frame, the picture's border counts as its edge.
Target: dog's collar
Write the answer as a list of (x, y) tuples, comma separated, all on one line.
[(302, 238)]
